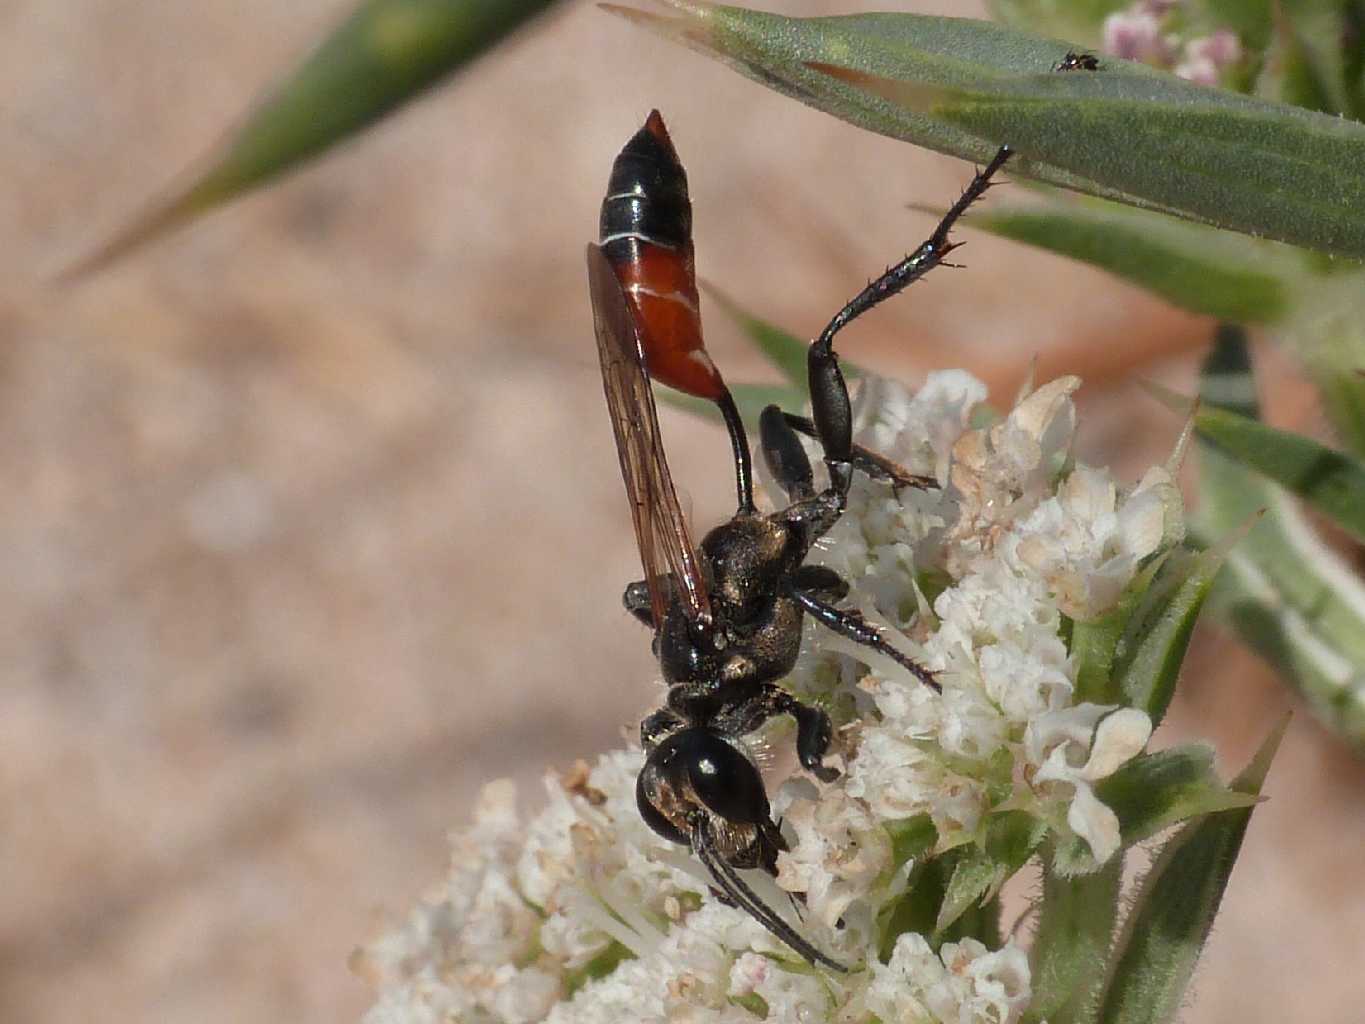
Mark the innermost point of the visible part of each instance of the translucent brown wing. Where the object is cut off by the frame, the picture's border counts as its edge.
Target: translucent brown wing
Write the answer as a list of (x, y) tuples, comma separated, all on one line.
[(660, 528)]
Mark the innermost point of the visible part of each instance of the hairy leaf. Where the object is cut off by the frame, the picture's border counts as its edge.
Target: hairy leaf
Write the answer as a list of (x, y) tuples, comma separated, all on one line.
[(1176, 903), (1125, 132)]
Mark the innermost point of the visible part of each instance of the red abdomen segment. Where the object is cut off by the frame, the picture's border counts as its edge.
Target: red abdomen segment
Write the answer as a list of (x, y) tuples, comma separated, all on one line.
[(646, 235)]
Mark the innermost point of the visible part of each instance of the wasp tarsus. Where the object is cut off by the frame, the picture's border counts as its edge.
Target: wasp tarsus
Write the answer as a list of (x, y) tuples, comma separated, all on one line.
[(727, 614)]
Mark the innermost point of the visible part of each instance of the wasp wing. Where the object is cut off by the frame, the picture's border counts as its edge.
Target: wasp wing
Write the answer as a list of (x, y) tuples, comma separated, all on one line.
[(660, 528)]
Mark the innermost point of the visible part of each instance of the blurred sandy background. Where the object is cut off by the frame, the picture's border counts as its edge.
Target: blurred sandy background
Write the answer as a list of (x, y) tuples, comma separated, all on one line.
[(312, 522)]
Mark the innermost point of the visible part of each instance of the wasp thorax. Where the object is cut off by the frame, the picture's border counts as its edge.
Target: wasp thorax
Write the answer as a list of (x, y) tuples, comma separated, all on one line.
[(749, 556)]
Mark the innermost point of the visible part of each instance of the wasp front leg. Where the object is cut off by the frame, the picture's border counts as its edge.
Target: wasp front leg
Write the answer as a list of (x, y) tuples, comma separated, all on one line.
[(851, 624), (813, 728)]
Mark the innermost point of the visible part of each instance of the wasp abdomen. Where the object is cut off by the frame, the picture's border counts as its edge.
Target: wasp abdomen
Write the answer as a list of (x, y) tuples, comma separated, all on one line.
[(646, 235), (647, 194)]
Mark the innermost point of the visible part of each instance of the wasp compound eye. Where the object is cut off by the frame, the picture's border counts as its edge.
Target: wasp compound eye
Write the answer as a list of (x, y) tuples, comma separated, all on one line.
[(725, 781)]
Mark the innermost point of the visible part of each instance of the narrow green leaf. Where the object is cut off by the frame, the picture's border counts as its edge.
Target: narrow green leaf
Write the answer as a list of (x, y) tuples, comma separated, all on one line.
[(1127, 132), (386, 53), (1192, 266), (1158, 635), (1310, 35), (980, 922), (1076, 919), (598, 967), (1010, 839), (1269, 171), (911, 838), (1095, 644), (1154, 791), (917, 909), (1287, 594), (1331, 481), (1327, 333), (974, 876), (1176, 904)]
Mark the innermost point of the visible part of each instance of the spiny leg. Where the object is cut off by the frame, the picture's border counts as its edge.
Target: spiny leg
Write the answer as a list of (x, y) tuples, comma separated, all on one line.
[(851, 624), (830, 404), (879, 467)]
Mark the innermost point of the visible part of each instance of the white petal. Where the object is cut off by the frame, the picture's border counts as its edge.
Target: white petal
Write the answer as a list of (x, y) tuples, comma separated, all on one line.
[(1119, 738), (1093, 822)]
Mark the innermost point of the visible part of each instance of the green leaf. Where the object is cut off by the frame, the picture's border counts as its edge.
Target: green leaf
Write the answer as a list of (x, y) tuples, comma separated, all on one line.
[(974, 877), (1288, 595), (386, 53), (1010, 839), (1176, 904), (1330, 481), (1125, 132), (1154, 791), (911, 838), (1192, 266), (1095, 644), (1076, 920), (917, 908), (1327, 332), (1159, 632), (598, 967)]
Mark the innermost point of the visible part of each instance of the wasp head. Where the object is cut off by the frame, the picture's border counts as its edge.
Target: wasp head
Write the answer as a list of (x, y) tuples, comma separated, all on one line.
[(701, 790)]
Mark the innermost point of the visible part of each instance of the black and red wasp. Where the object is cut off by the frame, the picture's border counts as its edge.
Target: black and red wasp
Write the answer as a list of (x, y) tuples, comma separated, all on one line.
[(727, 615)]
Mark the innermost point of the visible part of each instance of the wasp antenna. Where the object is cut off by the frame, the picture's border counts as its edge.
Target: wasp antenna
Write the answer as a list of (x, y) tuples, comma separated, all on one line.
[(734, 887)]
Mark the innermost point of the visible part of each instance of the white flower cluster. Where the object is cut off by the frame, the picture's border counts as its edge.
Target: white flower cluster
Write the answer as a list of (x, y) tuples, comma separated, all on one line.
[(587, 915)]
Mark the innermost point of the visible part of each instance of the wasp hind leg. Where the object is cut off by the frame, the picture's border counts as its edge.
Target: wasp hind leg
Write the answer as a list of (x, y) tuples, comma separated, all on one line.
[(833, 413)]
